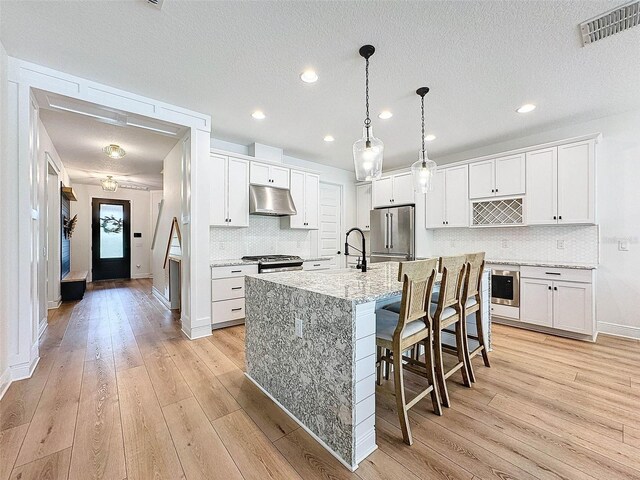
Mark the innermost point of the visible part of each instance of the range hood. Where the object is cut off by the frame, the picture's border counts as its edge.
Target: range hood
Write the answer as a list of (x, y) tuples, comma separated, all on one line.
[(270, 201)]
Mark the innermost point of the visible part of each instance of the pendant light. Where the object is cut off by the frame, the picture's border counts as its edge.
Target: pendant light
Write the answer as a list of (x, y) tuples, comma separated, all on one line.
[(424, 169), (367, 151), (109, 184)]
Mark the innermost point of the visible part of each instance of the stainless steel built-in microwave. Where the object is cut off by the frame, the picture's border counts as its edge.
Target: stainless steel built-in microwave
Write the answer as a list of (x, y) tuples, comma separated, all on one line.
[(505, 287)]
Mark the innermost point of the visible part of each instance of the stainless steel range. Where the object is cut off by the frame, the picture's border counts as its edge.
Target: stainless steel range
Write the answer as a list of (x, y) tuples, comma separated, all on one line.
[(276, 263)]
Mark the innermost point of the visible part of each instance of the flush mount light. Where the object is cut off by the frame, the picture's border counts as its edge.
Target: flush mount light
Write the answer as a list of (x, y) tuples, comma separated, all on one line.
[(430, 138), (114, 151), (329, 138), (385, 114), (424, 169), (526, 108), (109, 184), (309, 76), (258, 115)]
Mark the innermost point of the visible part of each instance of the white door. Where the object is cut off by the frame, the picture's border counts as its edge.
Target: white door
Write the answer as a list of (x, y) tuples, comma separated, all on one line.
[(297, 193), (482, 179), (260, 174), (216, 170), (238, 192), (434, 208), (572, 307), (382, 191), (363, 205), (279, 177), (312, 201), (510, 175), (541, 201), (456, 197), (330, 233), (536, 301), (403, 193), (576, 183)]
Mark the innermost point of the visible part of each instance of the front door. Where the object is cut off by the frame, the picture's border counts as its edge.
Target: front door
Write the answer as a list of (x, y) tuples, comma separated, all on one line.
[(111, 251)]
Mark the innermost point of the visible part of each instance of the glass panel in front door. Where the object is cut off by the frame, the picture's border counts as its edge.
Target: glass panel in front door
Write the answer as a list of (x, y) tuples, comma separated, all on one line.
[(111, 231)]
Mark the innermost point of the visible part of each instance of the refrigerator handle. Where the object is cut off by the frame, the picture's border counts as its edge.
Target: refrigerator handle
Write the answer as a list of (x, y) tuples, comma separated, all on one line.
[(386, 230), (391, 231)]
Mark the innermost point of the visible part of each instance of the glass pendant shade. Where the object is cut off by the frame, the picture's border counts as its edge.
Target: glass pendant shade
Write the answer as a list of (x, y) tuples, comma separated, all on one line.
[(423, 172), (114, 151), (109, 184), (367, 156)]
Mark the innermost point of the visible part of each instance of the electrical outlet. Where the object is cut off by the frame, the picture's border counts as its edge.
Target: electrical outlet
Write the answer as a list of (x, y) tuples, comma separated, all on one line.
[(623, 245), (299, 329), (560, 244), (505, 243)]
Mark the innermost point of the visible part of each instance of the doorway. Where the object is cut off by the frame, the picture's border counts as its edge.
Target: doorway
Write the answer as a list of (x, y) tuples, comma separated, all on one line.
[(331, 223), (110, 239)]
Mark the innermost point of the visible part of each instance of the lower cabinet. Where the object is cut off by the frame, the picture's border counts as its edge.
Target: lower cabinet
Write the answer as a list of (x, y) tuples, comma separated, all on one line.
[(317, 265), (227, 294)]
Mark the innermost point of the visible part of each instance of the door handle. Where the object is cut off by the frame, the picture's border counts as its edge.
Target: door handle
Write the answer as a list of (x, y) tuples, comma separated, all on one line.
[(236, 288), (391, 230), (386, 230), (236, 309)]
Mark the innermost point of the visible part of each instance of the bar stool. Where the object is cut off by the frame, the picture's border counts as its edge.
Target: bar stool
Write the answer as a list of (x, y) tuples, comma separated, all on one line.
[(448, 312), (398, 332)]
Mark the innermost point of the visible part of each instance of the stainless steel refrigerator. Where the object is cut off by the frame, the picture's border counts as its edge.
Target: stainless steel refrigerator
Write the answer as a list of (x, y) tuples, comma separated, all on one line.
[(393, 234)]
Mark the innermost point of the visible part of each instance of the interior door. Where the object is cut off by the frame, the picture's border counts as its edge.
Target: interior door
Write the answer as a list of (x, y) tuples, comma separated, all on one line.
[(330, 232), (111, 239)]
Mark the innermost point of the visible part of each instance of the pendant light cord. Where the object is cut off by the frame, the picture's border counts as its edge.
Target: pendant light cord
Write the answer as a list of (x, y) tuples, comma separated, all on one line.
[(423, 149), (367, 121)]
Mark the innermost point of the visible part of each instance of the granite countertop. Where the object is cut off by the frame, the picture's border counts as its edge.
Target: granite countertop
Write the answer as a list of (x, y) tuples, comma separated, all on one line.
[(232, 262), (379, 282), (550, 264)]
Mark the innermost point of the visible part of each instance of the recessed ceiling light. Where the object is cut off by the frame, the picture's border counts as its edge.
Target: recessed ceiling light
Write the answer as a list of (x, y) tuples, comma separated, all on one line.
[(259, 115), (309, 76), (329, 138), (385, 114), (429, 138), (526, 108), (114, 151)]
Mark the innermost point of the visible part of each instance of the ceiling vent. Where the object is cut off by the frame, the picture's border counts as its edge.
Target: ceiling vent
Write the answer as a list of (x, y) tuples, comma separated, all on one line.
[(156, 3), (611, 22)]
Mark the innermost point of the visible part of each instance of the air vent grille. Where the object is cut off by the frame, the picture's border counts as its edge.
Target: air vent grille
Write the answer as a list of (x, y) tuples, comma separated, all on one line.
[(156, 3), (612, 22), (498, 212)]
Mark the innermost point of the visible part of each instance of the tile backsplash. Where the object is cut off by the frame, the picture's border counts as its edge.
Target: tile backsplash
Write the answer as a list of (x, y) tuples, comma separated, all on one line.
[(264, 236), (580, 243)]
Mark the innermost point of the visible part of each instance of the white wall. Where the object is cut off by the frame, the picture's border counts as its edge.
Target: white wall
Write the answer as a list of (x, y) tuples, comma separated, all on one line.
[(140, 222), (4, 267)]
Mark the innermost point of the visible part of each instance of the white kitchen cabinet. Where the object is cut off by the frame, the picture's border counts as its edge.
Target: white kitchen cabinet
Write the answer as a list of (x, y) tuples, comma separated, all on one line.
[(227, 294), (269, 175), (317, 265), (393, 190), (572, 306), (541, 201), (497, 177), (305, 191), (536, 301), (229, 199), (363, 206), (447, 205)]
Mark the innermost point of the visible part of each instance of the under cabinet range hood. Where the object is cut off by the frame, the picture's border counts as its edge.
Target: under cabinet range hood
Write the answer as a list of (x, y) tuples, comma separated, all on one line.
[(270, 201)]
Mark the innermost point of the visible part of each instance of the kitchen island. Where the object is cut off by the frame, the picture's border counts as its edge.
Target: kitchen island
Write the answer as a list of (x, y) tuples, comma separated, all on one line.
[(310, 346)]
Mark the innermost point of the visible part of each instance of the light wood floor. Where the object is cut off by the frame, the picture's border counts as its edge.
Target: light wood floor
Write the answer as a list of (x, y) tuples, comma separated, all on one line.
[(119, 393)]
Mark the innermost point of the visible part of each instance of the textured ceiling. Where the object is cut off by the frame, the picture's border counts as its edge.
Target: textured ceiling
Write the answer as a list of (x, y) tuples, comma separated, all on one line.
[(481, 59)]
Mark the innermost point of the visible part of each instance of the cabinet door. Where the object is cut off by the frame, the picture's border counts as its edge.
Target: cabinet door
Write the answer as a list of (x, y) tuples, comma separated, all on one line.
[(238, 192), (434, 205), (260, 174), (482, 179), (456, 197), (279, 177), (297, 193), (510, 175), (576, 183), (572, 307), (536, 301), (217, 172), (382, 190), (402, 188), (363, 206), (312, 201), (541, 199)]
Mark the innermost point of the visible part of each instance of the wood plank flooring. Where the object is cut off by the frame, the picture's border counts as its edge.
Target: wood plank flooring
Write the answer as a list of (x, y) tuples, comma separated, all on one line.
[(119, 393)]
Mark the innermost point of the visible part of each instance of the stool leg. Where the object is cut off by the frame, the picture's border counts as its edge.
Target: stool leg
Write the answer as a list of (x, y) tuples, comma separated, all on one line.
[(485, 353), (431, 375), (378, 365), (386, 364), (439, 366), (465, 346), (401, 404), (461, 353)]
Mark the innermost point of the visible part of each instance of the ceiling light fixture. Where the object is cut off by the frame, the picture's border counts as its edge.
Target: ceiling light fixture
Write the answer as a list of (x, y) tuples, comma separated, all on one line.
[(367, 151), (109, 184), (385, 115), (430, 138), (424, 169), (309, 76), (114, 151), (329, 138), (526, 108), (259, 115)]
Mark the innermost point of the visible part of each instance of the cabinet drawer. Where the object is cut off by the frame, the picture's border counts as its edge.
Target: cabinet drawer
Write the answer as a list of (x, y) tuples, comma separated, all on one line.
[(227, 288), (319, 265), (227, 310), (233, 271), (548, 273)]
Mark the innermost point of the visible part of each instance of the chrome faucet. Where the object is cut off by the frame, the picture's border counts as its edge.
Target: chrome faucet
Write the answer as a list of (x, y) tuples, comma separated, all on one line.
[(362, 266)]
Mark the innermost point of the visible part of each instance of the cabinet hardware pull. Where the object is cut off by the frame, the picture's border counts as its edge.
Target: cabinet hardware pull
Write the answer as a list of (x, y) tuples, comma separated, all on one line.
[(236, 288), (316, 265), (555, 288), (236, 309), (560, 217), (552, 273), (554, 217), (549, 287), (236, 271)]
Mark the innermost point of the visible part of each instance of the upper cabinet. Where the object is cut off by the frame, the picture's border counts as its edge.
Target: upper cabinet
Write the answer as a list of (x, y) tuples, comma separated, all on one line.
[(305, 191), (229, 199), (447, 205), (392, 190), (269, 175), (363, 206), (561, 184), (497, 177)]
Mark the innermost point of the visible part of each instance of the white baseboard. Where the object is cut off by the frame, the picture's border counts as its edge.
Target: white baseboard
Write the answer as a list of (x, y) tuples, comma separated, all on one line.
[(53, 304), (619, 330), (161, 297), (351, 468), (5, 381), (23, 370), (141, 275), (44, 323), (196, 332)]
